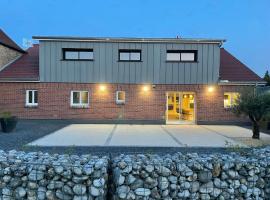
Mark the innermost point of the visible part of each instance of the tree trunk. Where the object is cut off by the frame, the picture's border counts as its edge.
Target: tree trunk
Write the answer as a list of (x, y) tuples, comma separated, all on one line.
[(256, 130)]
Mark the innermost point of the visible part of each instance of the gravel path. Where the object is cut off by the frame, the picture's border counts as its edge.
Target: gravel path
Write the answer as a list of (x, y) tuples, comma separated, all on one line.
[(30, 130)]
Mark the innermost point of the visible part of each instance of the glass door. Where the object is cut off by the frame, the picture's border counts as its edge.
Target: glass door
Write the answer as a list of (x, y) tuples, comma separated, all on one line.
[(180, 107), (173, 106)]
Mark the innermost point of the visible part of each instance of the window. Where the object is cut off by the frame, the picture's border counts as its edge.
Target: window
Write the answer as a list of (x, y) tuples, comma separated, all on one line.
[(230, 99), (31, 99), (79, 99), (120, 97), (182, 55), (129, 55), (78, 54)]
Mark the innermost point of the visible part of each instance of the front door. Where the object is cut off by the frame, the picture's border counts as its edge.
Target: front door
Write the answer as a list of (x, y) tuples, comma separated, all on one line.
[(180, 107)]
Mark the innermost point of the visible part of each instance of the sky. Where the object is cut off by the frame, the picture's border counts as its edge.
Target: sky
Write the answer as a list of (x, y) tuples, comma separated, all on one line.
[(245, 24)]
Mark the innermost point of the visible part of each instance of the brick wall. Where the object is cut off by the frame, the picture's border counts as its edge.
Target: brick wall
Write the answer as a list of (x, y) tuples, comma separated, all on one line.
[(7, 55), (54, 101)]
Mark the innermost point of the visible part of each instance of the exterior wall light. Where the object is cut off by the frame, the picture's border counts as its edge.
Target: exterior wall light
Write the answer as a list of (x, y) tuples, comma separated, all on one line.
[(210, 89), (102, 88), (145, 88)]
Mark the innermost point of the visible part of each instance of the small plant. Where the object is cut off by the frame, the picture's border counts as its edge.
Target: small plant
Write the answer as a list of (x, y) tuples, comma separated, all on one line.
[(8, 122), (70, 150), (6, 115), (235, 148)]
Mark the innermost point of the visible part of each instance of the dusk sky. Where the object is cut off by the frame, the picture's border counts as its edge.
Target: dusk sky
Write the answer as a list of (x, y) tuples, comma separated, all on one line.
[(245, 24)]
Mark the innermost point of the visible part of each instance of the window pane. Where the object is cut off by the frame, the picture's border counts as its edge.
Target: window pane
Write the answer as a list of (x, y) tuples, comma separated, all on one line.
[(121, 96), (76, 97), (135, 56), (227, 100), (124, 56), (84, 97), (173, 56), (35, 96), (187, 56), (71, 55), (30, 96), (86, 55), (234, 98)]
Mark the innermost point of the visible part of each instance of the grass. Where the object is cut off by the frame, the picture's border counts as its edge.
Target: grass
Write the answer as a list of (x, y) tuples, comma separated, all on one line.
[(253, 142)]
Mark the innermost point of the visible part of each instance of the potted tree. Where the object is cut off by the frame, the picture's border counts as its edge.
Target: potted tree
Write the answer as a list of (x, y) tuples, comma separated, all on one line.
[(256, 106), (8, 122)]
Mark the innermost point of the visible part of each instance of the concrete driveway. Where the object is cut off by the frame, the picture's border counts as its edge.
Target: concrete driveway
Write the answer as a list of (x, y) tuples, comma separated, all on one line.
[(145, 135)]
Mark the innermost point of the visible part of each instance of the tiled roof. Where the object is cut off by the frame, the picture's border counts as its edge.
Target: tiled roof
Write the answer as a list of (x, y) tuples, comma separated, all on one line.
[(25, 68), (232, 69), (7, 41)]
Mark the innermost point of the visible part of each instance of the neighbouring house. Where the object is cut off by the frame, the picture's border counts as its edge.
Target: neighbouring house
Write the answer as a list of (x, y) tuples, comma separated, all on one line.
[(149, 80)]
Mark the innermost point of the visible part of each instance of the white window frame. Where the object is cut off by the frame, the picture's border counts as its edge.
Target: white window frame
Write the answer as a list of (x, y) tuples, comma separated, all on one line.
[(179, 55), (80, 104), (31, 104), (130, 53), (118, 101), (230, 100), (78, 54)]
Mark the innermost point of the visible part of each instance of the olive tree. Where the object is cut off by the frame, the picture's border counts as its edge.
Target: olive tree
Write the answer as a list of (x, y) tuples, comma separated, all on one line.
[(254, 105)]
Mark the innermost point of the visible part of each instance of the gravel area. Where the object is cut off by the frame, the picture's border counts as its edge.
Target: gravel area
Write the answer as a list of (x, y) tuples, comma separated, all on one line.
[(30, 130), (27, 131)]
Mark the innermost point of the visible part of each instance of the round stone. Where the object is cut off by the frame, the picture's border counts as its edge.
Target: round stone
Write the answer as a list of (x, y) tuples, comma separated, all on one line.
[(94, 191), (20, 192), (142, 192), (99, 182), (79, 189)]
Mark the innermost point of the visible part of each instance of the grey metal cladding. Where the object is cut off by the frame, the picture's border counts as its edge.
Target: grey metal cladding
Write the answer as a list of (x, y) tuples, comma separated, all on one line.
[(106, 68)]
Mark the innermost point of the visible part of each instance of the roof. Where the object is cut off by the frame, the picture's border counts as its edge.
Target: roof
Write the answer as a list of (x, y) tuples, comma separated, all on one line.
[(126, 39), (8, 42), (25, 68), (233, 70)]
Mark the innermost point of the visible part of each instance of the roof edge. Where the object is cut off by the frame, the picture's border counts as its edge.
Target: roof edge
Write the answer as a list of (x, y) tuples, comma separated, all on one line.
[(16, 80), (126, 39), (15, 49), (225, 82)]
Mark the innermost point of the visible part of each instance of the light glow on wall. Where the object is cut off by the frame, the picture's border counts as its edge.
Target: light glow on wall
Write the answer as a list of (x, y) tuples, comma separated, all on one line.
[(102, 88), (146, 88), (210, 89)]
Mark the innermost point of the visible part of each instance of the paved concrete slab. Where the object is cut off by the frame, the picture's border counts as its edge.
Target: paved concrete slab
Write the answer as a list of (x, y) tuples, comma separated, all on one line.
[(194, 135), (145, 136), (142, 135), (78, 135)]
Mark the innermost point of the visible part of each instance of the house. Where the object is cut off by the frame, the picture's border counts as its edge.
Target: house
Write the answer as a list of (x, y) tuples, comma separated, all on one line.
[(149, 80)]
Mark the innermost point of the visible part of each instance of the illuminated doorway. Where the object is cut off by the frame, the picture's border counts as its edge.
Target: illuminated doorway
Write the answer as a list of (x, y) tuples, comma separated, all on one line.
[(180, 108)]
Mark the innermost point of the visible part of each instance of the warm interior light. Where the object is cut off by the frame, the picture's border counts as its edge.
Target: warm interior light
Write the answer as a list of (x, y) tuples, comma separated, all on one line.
[(191, 96), (210, 89), (185, 96), (145, 88), (102, 88)]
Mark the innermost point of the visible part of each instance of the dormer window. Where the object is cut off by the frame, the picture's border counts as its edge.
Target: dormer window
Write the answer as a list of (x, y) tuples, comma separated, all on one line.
[(129, 55), (78, 54), (182, 55)]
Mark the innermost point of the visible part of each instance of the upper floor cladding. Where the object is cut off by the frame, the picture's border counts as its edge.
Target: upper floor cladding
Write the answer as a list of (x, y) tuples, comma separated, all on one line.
[(129, 60)]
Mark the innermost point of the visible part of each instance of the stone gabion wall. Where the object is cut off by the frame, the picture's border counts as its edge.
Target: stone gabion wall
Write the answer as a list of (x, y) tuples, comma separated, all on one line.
[(193, 176), (41, 176), (38, 176)]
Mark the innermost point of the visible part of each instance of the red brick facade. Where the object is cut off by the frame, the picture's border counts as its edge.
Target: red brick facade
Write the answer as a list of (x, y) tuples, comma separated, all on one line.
[(54, 101)]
